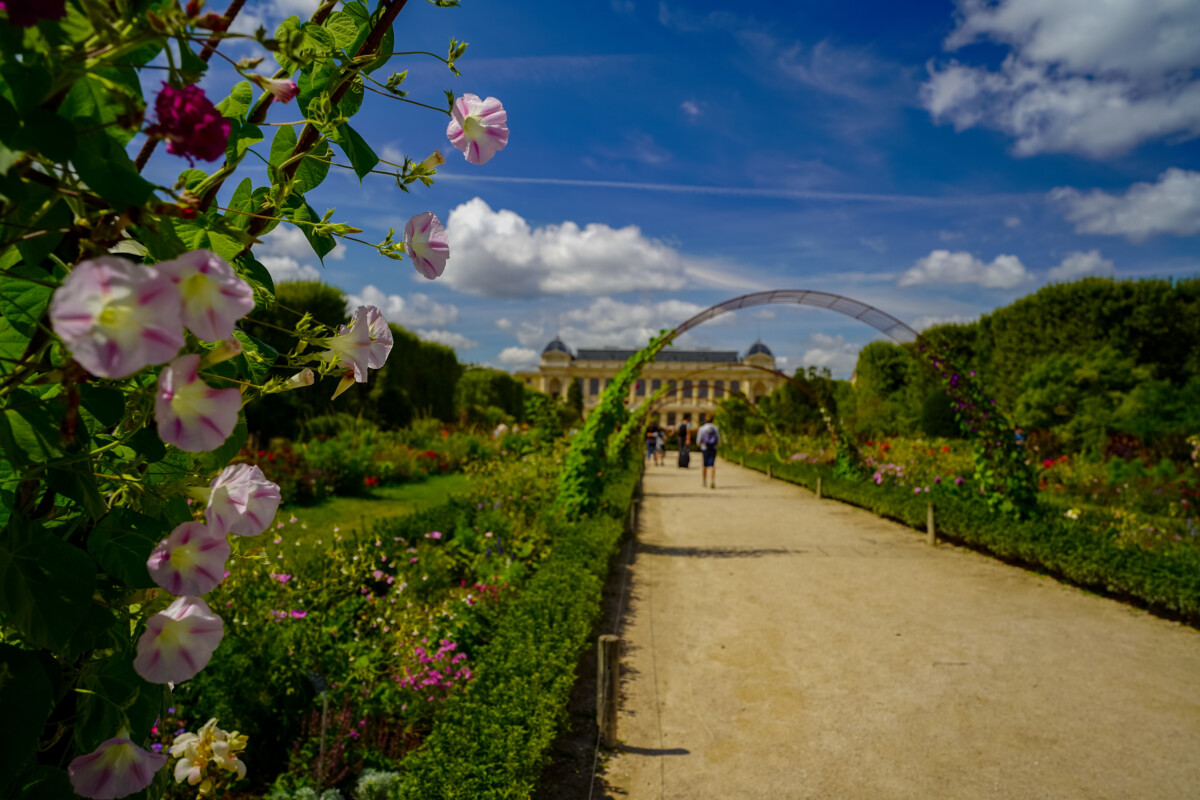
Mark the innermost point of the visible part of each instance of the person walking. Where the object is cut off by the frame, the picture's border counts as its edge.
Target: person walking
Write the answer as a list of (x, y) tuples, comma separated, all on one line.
[(661, 439), (684, 436), (708, 437), (653, 453)]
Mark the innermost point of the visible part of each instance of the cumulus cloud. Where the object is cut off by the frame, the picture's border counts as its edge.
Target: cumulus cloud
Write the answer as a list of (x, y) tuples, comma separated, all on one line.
[(504, 324), (288, 256), (691, 108), (286, 268), (517, 356), (499, 254), (1012, 222), (610, 322), (943, 266), (410, 311), (1081, 265), (1171, 205), (1080, 77), (831, 351), (448, 338)]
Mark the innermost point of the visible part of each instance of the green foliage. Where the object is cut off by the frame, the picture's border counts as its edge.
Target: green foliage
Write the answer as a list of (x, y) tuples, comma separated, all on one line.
[(575, 398), (480, 388), (937, 417)]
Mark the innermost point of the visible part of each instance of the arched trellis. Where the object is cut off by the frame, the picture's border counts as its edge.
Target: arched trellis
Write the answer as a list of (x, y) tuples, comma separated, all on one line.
[(879, 320)]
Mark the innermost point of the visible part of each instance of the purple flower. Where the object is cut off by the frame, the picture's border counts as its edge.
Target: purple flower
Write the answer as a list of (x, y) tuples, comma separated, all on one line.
[(116, 768), (479, 128), (427, 244), (214, 296), (190, 414), (190, 123), (190, 560)]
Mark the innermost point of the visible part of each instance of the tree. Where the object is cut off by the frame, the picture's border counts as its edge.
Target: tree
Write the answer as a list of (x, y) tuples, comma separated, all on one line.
[(575, 398)]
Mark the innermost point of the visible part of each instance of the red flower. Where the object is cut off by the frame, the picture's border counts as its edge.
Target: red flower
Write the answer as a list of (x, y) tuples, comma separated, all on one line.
[(1048, 463), (945, 448), (26, 13), (190, 123)]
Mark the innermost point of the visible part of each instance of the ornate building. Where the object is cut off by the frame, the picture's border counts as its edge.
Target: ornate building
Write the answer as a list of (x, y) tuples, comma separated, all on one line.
[(699, 379)]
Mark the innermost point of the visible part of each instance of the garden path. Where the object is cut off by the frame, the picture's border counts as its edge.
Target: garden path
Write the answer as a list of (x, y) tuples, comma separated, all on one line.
[(780, 646)]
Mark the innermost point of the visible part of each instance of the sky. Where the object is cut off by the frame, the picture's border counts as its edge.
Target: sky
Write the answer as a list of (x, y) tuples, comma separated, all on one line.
[(936, 160)]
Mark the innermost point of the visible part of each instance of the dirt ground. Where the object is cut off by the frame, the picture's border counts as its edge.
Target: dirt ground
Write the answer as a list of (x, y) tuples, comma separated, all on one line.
[(778, 646)]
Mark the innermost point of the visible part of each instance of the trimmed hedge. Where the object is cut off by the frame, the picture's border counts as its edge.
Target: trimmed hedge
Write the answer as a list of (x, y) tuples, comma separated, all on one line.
[(1165, 580), (491, 742)]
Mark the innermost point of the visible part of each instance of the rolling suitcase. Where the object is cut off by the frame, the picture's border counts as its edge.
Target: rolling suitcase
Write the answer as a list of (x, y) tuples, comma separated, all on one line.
[(685, 455)]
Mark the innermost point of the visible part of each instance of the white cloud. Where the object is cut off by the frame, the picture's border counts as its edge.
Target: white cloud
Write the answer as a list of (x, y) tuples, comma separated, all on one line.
[(1079, 265), (1172, 205), (611, 322), (1012, 222), (691, 108), (286, 268), (831, 351), (517, 356), (448, 338), (498, 254), (1088, 77), (933, 320), (504, 324), (876, 243), (409, 311), (942, 266), (949, 236)]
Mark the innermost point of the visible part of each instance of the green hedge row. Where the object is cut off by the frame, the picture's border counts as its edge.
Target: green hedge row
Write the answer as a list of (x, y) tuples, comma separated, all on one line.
[(491, 742), (1166, 580)]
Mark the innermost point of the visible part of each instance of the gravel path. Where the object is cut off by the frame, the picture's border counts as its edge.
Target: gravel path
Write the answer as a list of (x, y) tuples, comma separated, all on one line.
[(778, 646)]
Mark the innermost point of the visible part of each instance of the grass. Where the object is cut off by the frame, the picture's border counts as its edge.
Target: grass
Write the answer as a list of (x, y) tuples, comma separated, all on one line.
[(347, 515)]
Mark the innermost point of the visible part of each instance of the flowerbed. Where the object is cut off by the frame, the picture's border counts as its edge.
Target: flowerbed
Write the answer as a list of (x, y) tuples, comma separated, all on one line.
[(1096, 548)]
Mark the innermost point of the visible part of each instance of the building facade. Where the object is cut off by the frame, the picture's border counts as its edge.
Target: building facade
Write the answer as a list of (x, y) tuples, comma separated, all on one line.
[(697, 379)]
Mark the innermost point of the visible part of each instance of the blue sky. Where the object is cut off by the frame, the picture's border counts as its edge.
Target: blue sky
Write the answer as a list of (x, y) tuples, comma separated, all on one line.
[(936, 160)]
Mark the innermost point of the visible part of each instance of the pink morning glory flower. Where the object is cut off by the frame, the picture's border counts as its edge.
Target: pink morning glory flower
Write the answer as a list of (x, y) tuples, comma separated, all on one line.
[(192, 415), (427, 245), (214, 296), (479, 128), (116, 768), (189, 561), (178, 642), (364, 344), (281, 89), (242, 501), (117, 317)]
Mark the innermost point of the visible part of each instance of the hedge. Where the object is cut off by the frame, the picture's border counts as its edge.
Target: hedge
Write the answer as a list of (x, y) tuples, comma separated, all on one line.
[(491, 742), (1166, 580)]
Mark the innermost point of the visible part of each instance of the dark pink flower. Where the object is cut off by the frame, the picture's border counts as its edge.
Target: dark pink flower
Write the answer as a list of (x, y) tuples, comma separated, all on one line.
[(26, 13), (190, 123)]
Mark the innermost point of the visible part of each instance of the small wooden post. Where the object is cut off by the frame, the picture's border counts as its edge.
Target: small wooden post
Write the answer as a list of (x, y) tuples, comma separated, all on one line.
[(608, 681), (768, 470), (930, 533), (818, 487)]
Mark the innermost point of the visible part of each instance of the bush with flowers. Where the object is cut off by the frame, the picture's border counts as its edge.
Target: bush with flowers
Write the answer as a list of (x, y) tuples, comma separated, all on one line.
[(124, 367)]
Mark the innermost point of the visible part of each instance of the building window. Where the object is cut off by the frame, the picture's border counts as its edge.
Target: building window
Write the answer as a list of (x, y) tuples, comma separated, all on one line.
[(702, 390), (718, 388), (641, 389), (671, 419), (735, 387), (687, 390), (655, 385), (528, 381), (593, 386), (671, 390)]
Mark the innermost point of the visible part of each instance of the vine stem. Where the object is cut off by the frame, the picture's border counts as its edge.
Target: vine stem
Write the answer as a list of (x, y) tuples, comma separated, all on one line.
[(206, 53)]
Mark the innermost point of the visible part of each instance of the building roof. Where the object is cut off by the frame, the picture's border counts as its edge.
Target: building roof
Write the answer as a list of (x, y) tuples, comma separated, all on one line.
[(668, 355), (759, 347), (556, 344)]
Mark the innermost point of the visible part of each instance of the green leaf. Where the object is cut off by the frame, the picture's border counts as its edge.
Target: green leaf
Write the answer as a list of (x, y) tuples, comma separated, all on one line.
[(205, 232), (107, 169), (23, 302), (44, 782), (241, 136), (302, 212), (256, 359), (12, 341), (361, 156), (106, 406), (121, 544), (112, 687), (102, 97), (148, 445), (46, 584), (79, 484), (344, 30), (35, 250), (191, 64), (312, 171), (26, 700), (28, 430), (258, 276), (317, 39), (238, 103)]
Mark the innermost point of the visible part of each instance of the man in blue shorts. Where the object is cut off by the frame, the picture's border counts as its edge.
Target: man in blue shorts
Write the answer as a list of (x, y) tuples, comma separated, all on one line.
[(708, 437)]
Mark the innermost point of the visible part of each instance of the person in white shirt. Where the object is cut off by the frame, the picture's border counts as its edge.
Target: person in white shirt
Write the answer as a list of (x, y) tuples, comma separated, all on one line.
[(708, 437)]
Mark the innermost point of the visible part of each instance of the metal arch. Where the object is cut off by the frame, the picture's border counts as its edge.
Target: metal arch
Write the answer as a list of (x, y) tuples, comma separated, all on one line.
[(879, 320)]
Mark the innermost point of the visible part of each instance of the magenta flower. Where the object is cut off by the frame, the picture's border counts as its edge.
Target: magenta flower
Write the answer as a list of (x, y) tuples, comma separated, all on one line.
[(364, 344), (192, 415), (479, 128), (190, 123), (427, 245), (178, 641), (243, 501), (116, 768), (117, 317), (26, 13), (214, 296), (189, 561), (282, 89)]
